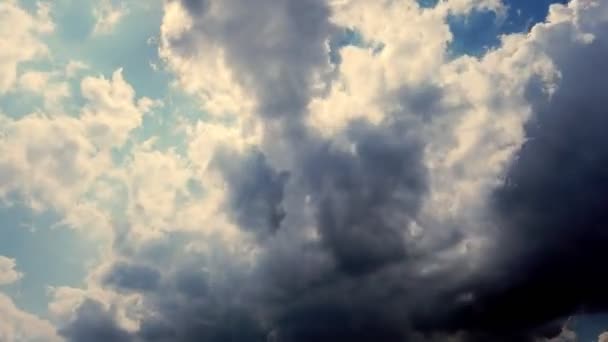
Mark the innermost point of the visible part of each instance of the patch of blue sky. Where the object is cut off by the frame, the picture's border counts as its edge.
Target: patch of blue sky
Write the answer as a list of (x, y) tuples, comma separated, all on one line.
[(523, 14), (127, 46), (132, 47), (480, 31), (16, 105), (345, 37), (427, 3), (29, 5), (47, 257), (589, 327)]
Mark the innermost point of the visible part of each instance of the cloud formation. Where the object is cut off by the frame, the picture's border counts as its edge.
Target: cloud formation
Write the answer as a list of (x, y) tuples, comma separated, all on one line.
[(356, 244), (108, 13), (8, 271), (17, 325), (352, 180), (21, 39)]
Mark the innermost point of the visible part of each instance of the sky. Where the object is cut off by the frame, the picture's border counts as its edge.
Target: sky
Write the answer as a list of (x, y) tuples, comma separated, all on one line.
[(303, 170)]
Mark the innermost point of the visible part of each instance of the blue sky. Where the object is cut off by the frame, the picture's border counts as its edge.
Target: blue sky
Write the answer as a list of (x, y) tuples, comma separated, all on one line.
[(52, 253)]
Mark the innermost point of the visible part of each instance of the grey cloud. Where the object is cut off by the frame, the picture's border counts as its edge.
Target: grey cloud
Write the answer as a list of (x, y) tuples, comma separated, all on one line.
[(94, 324), (126, 276), (275, 47), (349, 285), (191, 307), (423, 100), (196, 7), (366, 199), (255, 190), (548, 259)]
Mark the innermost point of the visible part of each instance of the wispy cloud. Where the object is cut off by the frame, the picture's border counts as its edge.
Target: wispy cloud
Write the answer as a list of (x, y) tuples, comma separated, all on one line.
[(108, 14)]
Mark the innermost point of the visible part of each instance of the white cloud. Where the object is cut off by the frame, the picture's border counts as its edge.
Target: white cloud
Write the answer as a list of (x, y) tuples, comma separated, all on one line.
[(19, 326), (74, 67), (20, 39), (8, 271), (108, 13), (206, 74), (112, 111), (475, 120), (156, 182), (47, 84), (55, 159), (471, 112), (413, 48), (476, 107)]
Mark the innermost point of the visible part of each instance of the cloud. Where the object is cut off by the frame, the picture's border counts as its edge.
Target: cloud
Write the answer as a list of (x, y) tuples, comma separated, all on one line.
[(255, 191), (49, 85), (112, 111), (19, 326), (364, 199), (390, 194), (74, 67), (93, 324), (132, 277), (21, 35), (108, 13), (53, 160), (551, 222), (8, 272), (211, 38)]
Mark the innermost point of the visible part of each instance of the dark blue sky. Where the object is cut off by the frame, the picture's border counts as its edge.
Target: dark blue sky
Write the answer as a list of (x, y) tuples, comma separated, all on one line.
[(479, 31)]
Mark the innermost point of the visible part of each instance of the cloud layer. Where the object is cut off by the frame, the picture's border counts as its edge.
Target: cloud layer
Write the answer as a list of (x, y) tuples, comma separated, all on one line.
[(351, 180)]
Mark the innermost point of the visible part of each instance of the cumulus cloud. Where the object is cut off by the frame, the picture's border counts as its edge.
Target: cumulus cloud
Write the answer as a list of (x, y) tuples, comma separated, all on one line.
[(19, 326), (21, 36), (552, 227), (360, 189), (93, 324), (108, 13), (49, 85), (255, 191), (8, 271), (52, 160)]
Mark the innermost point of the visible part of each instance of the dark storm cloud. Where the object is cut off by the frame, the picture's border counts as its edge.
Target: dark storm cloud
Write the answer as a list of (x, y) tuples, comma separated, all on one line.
[(366, 198), (551, 211), (255, 190)]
